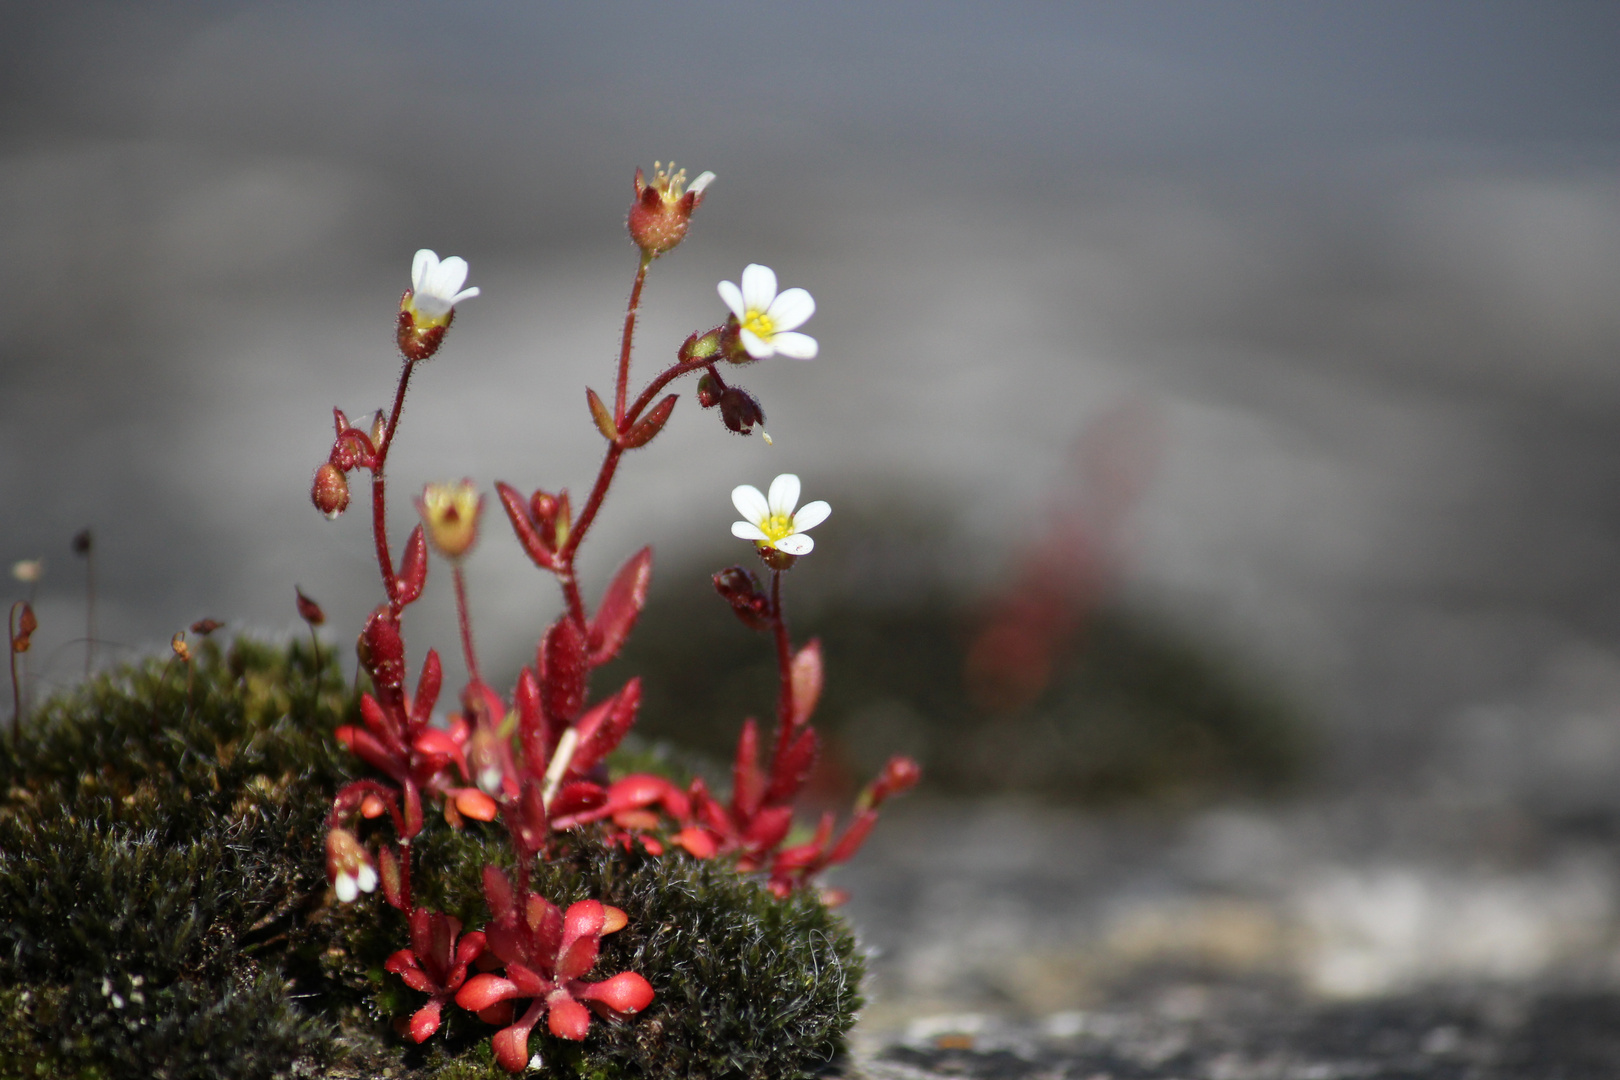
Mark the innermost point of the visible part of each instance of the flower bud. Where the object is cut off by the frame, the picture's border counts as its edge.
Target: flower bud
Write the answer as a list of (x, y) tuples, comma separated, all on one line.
[(330, 491), (742, 591), (900, 775), (701, 346), (348, 867), (662, 210), (709, 390), (450, 512), (740, 411), (309, 610)]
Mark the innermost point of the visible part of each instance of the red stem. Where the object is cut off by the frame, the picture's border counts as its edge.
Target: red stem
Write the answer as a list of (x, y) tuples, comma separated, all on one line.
[(16, 690), (465, 617), (784, 664), (379, 505), (623, 382)]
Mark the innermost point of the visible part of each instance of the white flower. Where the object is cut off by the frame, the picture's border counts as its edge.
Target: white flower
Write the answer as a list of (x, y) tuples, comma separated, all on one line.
[(436, 287), (769, 319), (28, 571), (348, 886), (771, 521)]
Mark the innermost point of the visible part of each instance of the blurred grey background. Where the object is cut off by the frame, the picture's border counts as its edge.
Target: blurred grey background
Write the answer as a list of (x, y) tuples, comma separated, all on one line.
[(1358, 262)]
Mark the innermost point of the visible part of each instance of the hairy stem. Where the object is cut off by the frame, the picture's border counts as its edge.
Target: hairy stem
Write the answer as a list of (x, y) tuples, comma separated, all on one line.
[(464, 616), (623, 382), (784, 665), (379, 503), (16, 687)]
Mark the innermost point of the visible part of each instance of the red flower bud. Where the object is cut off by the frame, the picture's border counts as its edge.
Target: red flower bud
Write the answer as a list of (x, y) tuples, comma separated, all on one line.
[(740, 410), (330, 491), (743, 592)]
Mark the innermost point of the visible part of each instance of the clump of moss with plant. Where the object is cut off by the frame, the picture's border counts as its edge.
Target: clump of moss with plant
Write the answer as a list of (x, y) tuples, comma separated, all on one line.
[(228, 865)]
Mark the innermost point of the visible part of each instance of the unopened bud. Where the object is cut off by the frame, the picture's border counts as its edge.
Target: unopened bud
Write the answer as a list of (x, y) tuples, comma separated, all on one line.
[(22, 641), (309, 610), (204, 627), (701, 346), (709, 390), (450, 513), (178, 644), (742, 591), (330, 491), (740, 411), (348, 867), (899, 775), (554, 516), (662, 210)]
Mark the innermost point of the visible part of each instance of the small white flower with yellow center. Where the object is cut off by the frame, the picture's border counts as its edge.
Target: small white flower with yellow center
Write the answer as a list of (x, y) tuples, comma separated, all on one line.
[(771, 522), (436, 288), (768, 320)]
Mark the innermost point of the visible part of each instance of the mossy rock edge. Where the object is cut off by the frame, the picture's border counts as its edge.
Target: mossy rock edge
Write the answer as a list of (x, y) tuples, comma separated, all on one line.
[(164, 909)]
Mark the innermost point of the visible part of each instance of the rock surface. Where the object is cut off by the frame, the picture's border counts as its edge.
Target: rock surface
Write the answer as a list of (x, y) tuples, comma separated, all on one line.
[(1363, 937)]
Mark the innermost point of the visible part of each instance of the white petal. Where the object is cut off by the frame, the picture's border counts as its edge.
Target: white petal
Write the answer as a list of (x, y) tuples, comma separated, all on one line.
[(791, 310), (757, 347), (784, 494), (421, 266), (464, 294), (810, 515), (750, 503), (744, 531), (704, 180), (758, 286), (797, 544), (733, 298), (345, 888), (794, 345), (451, 277), (367, 879)]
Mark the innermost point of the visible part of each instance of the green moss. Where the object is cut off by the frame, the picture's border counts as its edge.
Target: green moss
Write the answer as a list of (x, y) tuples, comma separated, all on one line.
[(164, 911)]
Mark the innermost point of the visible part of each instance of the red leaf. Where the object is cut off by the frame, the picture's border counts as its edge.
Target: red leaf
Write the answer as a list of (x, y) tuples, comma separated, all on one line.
[(370, 749), (393, 880), (768, 828), (412, 569), (697, 842), (380, 723), (604, 727), (562, 672), (427, 687), (569, 1019), (793, 767), (533, 731), (853, 838), (517, 509), (626, 993), (575, 797), (497, 892), (383, 654), (649, 425), (577, 957), (620, 606), (426, 1020), (806, 673), (747, 785), (482, 991)]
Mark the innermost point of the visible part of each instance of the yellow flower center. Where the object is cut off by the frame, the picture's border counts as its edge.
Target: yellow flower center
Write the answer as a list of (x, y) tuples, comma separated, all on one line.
[(422, 319), (760, 323), (777, 527)]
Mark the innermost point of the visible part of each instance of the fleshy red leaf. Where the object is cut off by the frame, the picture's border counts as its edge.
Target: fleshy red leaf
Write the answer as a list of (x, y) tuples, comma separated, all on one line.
[(393, 879), (533, 731), (426, 1020), (747, 785), (649, 425), (427, 687), (853, 838), (569, 1019), (601, 730), (482, 991), (768, 828), (412, 569), (793, 767), (625, 993), (497, 892), (562, 671), (807, 677), (621, 604), (517, 510)]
